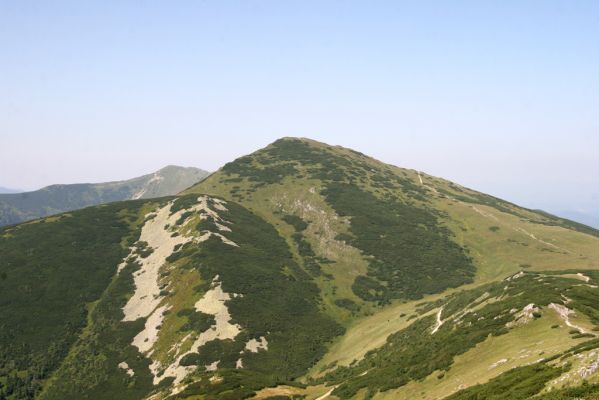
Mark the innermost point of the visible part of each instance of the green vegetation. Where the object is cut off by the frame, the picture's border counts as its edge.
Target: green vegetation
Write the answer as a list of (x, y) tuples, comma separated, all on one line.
[(226, 352), (52, 271), (286, 157), (142, 249), (531, 216), (233, 384), (271, 302), (295, 221), (410, 248), (348, 304), (379, 200), (263, 175), (582, 392), (304, 248), (414, 352), (91, 369), (278, 301), (517, 384), (196, 321), (558, 221)]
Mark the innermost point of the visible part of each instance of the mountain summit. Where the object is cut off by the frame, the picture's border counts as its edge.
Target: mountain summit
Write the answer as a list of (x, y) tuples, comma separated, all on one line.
[(413, 228), (301, 271)]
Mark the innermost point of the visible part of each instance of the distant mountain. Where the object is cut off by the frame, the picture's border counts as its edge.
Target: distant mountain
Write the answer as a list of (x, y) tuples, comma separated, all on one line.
[(9, 190), (19, 207), (301, 271), (586, 218)]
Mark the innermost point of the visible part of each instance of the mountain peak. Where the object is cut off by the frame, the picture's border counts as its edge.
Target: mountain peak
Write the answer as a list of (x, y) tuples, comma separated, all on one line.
[(291, 157), (172, 167), (309, 142)]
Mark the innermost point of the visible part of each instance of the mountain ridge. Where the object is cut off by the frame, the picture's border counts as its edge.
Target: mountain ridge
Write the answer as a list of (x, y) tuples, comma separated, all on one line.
[(53, 199), (305, 271), (587, 218)]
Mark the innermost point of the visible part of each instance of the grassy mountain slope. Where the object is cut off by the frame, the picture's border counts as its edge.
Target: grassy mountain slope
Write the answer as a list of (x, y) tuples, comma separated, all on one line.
[(300, 271), (408, 234), (525, 304), (354, 210), (19, 207)]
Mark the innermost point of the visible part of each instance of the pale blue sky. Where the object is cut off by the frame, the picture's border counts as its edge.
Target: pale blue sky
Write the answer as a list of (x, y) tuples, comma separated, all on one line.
[(501, 96)]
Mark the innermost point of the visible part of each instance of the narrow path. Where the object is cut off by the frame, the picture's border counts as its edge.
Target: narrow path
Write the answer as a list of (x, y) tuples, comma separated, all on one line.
[(515, 228), (584, 277), (518, 229), (327, 394), (439, 321), (431, 188)]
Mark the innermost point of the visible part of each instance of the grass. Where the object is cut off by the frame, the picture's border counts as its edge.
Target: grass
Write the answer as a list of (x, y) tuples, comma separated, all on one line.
[(369, 333), (582, 392), (526, 344), (184, 293), (413, 353), (496, 235), (408, 246), (301, 198), (509, 250), (495, 257), (517, 384)]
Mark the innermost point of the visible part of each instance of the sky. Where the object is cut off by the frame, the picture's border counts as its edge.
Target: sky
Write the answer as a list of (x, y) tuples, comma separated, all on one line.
[(500, 96)]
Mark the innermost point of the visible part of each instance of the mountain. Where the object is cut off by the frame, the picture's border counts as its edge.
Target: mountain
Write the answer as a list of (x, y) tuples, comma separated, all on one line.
[(587, 218), (301, 271), (54, 199), (8, 190)]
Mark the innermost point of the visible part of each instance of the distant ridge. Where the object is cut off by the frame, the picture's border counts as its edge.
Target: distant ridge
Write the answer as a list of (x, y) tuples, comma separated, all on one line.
[(585, 218), (9, 190), (53, 199)]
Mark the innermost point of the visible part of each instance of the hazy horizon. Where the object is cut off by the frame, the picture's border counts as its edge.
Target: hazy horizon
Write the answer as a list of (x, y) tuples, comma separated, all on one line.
[(501, 98)]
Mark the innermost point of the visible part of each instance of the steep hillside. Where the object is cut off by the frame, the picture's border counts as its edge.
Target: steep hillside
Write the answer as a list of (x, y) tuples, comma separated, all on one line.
[(405, 234), (301, 271), (52, 271), (19, 207), (529, 319), (371, 234), (172, 289)]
